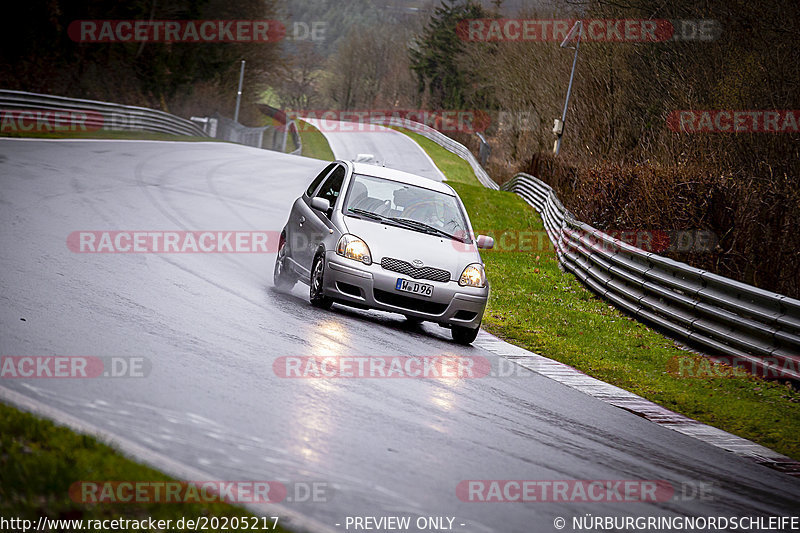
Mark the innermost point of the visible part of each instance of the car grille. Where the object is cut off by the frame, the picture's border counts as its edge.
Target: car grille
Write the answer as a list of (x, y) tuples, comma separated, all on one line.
[(406, 302), (433, 274)]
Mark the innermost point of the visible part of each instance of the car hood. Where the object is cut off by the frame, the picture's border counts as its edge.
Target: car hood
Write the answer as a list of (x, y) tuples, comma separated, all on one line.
[(386, 240)]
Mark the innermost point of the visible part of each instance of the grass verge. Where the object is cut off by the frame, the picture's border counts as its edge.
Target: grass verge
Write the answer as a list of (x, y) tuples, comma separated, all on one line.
[(39, 461), (314, 142), (535, 305), (456, 169)]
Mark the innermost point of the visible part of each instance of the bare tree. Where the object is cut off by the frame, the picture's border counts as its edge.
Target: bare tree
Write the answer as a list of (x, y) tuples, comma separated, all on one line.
[(298, 78), (370, 68)]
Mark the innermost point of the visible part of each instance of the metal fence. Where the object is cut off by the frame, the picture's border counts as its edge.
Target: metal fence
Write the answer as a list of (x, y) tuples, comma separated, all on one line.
[(266, 137), (288, 127), (231, 131), (757, 328), (101, 115)]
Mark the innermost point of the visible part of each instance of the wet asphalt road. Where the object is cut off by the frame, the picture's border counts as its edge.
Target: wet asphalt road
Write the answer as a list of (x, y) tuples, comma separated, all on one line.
[(389, 147), (211, 326)]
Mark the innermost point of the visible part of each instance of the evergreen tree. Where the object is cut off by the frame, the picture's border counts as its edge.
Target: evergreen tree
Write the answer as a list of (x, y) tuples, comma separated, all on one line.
[(435, 55)]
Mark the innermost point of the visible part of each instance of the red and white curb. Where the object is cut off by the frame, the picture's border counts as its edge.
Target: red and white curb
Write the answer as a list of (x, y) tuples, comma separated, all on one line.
[(637, 405)]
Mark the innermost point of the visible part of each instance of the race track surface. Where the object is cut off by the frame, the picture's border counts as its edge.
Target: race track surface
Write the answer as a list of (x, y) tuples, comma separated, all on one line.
[(210, 327)]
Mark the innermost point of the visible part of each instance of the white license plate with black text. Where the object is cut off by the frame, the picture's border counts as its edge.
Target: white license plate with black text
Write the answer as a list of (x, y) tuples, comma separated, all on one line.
[(414, 287)]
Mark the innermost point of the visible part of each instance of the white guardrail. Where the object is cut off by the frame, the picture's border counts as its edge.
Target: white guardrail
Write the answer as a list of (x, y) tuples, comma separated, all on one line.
[(744, 324), (75, 114), (97, 115), (756, 327)]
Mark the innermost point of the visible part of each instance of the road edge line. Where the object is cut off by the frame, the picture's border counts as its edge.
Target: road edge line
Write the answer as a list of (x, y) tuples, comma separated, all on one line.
[(291, 520)]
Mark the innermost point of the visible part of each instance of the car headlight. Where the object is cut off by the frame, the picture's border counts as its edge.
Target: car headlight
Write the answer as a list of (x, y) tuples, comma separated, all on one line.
[(354, 248), (473, 276)]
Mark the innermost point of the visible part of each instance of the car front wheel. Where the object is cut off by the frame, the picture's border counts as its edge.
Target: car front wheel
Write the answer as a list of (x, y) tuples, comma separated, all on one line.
[(281, 277), (464, 335), (318, 299)]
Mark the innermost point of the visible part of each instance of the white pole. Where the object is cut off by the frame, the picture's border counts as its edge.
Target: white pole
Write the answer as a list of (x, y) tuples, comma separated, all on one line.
[(239, 93), (579, 26)]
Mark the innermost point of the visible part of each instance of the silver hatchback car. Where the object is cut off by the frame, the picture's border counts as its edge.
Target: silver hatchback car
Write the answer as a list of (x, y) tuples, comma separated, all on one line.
[(376, 238)]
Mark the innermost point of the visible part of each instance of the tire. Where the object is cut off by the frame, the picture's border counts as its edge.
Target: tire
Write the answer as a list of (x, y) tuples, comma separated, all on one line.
[(413, 321), (317, 282), (283, 279), (464, 335)]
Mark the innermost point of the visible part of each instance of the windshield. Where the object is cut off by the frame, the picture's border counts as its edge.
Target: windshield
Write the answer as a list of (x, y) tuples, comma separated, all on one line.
[(413, 207)]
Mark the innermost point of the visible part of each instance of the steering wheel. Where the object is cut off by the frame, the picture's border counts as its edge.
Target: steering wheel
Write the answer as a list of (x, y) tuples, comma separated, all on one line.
[(384, 208)]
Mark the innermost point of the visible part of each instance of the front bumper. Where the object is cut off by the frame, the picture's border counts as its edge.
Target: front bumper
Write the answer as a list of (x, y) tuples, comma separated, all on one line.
[(372, 286)]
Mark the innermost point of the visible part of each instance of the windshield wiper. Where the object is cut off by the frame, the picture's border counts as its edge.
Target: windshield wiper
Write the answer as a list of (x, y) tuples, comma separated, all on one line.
[(425, 227), (365, 213), (407, 222)]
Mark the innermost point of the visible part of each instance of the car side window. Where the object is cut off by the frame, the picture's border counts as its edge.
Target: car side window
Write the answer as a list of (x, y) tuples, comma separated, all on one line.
[(318, 179), (333, 185)]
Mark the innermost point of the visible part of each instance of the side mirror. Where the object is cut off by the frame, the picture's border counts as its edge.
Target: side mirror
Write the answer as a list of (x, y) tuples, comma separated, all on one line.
[(484, 242), (320, 204)]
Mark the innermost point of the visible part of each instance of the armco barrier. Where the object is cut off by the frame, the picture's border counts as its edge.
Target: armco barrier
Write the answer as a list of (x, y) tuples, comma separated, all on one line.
[(117, 117), (103, 115), (758, 328), (761, 329)]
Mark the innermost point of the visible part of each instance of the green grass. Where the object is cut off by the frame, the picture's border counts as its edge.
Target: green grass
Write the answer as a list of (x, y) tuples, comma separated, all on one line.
[(314, 142), (102, 134), (456, 169), (535, 305), (39, 461)]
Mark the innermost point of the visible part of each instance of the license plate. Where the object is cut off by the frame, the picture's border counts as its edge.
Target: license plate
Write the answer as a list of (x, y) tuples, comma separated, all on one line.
[(414, 287)]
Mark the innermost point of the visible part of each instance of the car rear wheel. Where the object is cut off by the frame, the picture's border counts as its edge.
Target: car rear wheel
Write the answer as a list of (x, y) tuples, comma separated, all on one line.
[(464, 335), (282, 278), (318, 299)]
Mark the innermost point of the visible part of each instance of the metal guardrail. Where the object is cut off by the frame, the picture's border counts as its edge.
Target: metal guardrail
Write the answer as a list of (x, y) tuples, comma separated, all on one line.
[(444, 141), (97, 115), (102, 115), (756, 327), (743, 323)]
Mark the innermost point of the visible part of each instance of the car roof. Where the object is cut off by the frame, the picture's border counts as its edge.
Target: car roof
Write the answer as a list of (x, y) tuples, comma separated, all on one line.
[(403, 177)]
